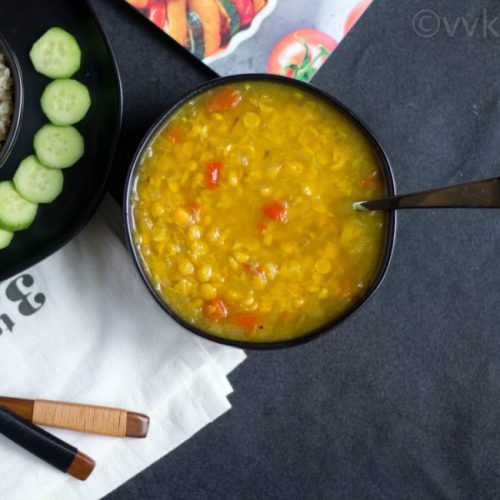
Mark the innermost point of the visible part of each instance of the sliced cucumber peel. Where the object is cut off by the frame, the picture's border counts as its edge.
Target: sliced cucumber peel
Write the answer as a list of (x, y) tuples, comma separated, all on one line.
[(5, 238), (37, 183), (65, 102), (58, 147), (56, 54), (16, 213)]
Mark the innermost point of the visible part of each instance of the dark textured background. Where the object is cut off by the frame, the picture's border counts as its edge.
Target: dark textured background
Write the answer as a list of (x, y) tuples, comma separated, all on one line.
[(403, 400)]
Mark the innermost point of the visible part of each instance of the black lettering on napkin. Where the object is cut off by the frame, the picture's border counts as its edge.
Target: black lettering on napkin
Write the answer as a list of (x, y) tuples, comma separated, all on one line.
[(16, 291), (9, 324)]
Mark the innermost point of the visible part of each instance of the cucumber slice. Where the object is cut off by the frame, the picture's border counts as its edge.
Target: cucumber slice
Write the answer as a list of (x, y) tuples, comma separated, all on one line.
[(58, 147), (37, 183), (5, 238), (56, 54), (65, 102), (16, 213), (195, 32)]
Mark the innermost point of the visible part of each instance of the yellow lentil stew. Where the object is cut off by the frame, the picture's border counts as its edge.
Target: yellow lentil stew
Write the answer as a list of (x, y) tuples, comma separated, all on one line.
[(242, 212)]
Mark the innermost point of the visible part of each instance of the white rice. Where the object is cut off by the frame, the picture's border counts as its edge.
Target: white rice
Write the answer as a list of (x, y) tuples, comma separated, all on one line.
[(6, 98)]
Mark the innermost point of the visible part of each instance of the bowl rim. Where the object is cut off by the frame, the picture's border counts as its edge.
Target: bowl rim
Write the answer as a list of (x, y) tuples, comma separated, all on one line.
[(17, 75), (390, 232)]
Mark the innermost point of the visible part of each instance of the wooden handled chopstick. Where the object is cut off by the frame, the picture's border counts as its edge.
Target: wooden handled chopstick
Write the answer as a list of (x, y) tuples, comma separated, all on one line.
[(79, 417), (45, 446)]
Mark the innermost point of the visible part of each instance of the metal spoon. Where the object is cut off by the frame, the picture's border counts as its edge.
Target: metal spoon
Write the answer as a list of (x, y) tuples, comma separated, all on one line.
[(480, 194)]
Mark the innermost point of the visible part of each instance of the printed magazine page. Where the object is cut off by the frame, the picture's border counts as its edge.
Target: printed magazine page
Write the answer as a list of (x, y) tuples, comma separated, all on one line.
[(284, 37)]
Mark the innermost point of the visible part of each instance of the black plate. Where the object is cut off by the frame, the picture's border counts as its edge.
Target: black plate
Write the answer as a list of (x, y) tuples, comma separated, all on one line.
[(84, 184)]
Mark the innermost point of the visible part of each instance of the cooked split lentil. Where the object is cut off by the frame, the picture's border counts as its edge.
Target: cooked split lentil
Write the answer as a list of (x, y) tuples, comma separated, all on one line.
[(243, 212)]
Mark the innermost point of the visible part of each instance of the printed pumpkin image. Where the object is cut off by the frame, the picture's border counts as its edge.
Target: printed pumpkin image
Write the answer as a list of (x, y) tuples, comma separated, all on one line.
[(204, 27)]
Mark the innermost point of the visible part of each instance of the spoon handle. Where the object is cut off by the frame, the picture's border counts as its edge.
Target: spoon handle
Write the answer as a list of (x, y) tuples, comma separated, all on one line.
[(480, 194)]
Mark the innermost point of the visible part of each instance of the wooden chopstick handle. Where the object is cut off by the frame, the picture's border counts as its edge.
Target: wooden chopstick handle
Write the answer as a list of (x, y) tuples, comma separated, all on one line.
[(48, 413), (80, 417), (21, 407)]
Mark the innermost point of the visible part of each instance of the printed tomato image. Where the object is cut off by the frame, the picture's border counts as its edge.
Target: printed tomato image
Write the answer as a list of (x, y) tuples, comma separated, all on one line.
[(157, 12), (355, 14), (301, 53)]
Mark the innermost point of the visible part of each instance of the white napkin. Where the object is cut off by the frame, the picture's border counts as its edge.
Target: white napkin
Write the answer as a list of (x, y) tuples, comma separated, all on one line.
[(84, 328)]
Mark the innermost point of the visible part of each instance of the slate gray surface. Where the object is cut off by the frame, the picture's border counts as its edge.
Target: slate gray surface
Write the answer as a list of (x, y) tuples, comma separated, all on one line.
[(403, 400)]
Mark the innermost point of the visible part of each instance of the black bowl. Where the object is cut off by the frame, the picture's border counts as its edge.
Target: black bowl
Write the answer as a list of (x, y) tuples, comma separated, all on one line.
[(390, 223), (17, 76)]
